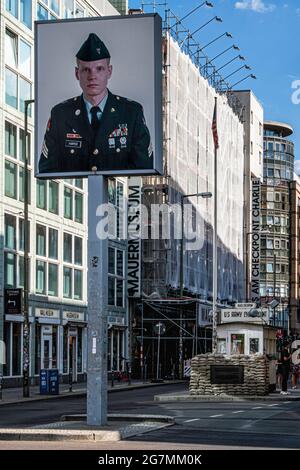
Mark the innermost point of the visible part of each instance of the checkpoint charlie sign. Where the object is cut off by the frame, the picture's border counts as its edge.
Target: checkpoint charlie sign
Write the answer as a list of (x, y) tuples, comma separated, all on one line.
[(241, 315)]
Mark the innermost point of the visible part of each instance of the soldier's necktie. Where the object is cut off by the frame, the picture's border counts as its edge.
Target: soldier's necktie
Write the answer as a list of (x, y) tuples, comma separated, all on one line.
[(95, 121)]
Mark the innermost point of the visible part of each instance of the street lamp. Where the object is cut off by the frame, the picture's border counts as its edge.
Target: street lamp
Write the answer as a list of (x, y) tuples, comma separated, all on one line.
[(204, 195), (190, 35), (208, 4), (228, 35), (26, 344), (225, 65), (250, 75)]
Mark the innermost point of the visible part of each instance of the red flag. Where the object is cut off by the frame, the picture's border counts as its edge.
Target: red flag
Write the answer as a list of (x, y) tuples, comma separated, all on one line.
[(214, 127)]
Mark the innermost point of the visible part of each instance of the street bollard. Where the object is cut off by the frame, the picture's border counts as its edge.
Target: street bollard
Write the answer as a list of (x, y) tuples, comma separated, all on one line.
[(70, 380)]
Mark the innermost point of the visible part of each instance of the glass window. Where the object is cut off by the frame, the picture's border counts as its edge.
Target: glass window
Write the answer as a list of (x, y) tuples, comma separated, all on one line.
[(270, 147), (10, 139), (21, 271), (25, 94), (269, 267), (237, 344), (254, 345), (79, 11), (53, 197), (120, 289), (112, 191), (67, 289), (78, 251), (52, 279), (40, 240), (68, 205), (120, 270), (111, 260), (41, 194), (67, 9), (41, 13), (21, 235), (10, 232), (25, 12), (53, 243), (25, 59), (111, 290), (11, 49), (16, 348), (40, 277), (77, 284), (12, 7), (11, 88), (54, 5), (21, 146), (221, 346), (67, 248), (10, 179), (78, 183), (22, 184), (78, 207), (9, 269)]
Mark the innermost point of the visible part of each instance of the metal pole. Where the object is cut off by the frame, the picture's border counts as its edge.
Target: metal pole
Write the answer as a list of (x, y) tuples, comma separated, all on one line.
[(215, 249), (142, 346), (181, 292), (26, 352), (97, 301), (158, 347)]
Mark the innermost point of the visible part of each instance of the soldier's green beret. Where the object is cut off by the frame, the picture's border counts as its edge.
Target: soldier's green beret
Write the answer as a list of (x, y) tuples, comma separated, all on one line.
[(93, 49)]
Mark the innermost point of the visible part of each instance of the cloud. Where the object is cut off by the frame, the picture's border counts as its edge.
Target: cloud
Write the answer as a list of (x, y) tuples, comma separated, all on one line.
[(255, 5)]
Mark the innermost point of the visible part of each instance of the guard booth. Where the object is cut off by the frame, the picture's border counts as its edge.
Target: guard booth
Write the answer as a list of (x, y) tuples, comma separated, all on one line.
[(240, 333)]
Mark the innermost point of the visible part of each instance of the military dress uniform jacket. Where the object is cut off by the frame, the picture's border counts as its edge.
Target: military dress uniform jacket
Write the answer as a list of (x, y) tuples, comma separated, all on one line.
[(122, 140)]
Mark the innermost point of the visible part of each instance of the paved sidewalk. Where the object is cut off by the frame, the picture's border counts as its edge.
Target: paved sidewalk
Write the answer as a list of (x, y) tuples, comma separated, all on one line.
[(15, 395)]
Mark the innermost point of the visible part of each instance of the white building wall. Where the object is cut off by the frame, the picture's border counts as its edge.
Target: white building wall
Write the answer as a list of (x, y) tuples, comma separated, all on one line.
[(190, 165)]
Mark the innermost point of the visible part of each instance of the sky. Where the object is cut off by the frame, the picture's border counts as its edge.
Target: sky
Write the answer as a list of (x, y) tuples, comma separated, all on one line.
[(268, 35)]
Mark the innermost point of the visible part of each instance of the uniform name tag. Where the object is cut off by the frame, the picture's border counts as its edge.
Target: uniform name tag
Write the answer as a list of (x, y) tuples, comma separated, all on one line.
[(73, 144), (73, 136)]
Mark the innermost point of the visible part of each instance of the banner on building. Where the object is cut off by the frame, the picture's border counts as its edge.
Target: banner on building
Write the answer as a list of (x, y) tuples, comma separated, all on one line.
[(255, 241), (134, 237), (98, 96)]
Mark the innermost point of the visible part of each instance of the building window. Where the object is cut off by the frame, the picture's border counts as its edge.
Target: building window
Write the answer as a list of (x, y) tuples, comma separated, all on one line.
[(117, 213), (67, 289), (116, 280), (67, 8), (10, 140), (26, 12), (41, 240), (53, 197), (78, 251), (77, 284), (10, 179), (18, 71), (41, 194), (53, 244), (67, 248), (40, 277), (53, 279), (78, 207), (68, 206)]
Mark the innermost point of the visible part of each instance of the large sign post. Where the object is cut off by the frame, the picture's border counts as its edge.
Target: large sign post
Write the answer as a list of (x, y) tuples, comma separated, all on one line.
[(99, 112)]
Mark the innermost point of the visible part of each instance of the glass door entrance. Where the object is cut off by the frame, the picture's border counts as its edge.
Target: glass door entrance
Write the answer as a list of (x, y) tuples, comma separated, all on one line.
[(46, 349)]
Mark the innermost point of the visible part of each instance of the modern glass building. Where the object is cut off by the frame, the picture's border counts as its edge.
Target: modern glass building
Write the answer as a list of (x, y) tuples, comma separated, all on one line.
[(57, 217), (278, 167)]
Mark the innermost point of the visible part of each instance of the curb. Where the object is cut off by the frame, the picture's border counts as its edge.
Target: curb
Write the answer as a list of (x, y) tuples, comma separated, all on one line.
[(92, 434), (82, 393), (223, 398)]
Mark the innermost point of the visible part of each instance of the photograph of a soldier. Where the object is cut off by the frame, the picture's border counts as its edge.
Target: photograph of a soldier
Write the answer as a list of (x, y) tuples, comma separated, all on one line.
[(98, 130)]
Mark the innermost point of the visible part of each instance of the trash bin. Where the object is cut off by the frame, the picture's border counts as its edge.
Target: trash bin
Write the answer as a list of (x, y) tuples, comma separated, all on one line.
[(44, 382), (49, 382), (53, 380)]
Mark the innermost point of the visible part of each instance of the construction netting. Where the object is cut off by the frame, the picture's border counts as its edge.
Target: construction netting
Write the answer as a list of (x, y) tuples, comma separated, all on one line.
[(189, 113)]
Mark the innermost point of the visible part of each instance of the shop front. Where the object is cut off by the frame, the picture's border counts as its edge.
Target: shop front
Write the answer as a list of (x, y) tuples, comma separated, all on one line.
[(74, 346)]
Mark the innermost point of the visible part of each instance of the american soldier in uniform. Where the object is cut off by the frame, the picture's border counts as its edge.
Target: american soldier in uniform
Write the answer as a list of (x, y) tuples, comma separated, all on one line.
[(96, 131)]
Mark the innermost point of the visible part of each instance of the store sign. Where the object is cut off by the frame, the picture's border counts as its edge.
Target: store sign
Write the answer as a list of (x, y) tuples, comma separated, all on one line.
[(73, 316), (134, 237), (13, 301), (241, 315), (255, 241), (46, 313)]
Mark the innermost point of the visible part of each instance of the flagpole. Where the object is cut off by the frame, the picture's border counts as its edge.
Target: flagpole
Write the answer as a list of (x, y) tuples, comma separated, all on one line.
[(215, 237)]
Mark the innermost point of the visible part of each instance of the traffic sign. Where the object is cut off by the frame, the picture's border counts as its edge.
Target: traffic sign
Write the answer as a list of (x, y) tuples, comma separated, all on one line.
[(13, 301)]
